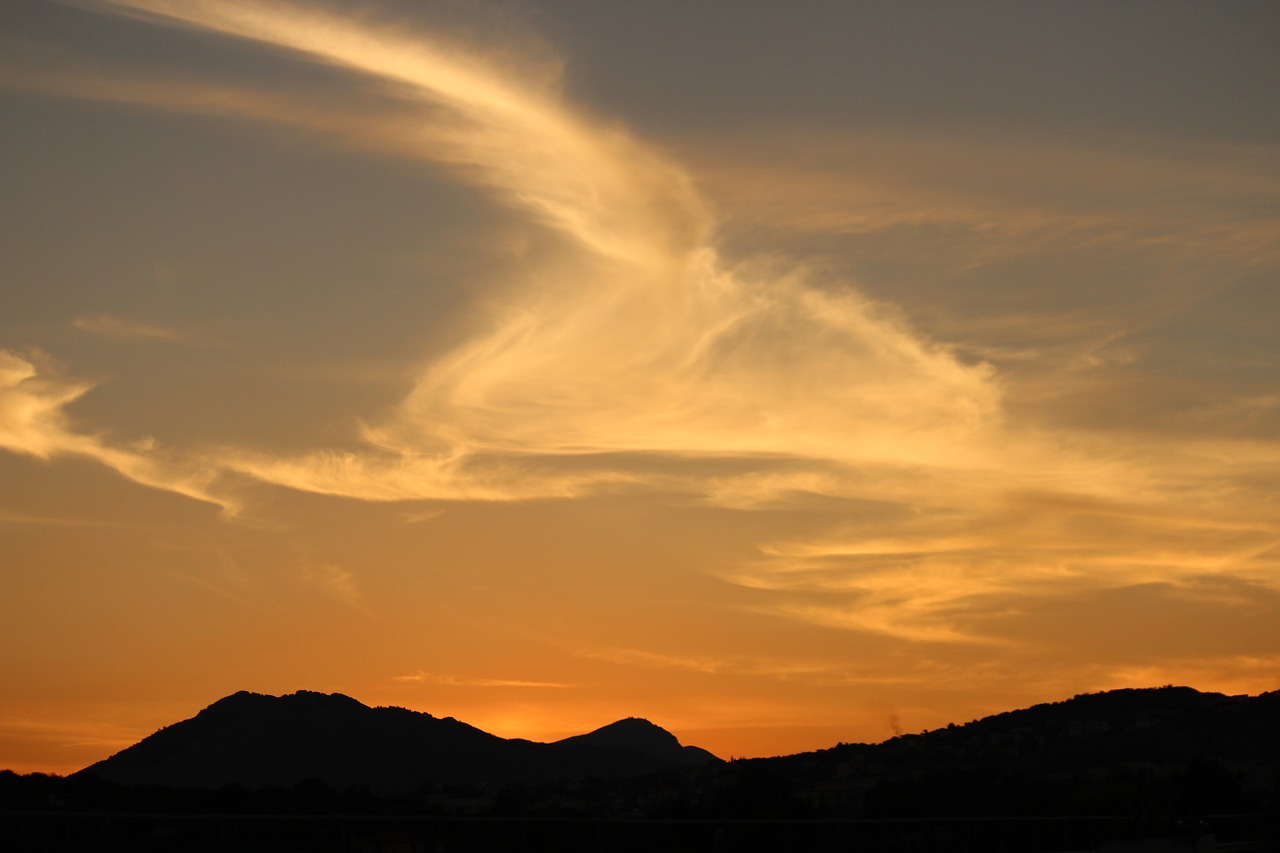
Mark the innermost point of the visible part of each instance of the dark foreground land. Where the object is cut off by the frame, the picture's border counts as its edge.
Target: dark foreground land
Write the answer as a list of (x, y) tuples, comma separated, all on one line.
[(387, 834), (1129, 771)]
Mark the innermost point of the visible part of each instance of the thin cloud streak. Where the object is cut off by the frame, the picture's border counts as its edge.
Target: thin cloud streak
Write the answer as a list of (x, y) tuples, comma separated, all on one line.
[(33, 422), (463, 681), (938, 579), (1038, 192), (119, 327), (20, 518), (817, 672), (335, 582), (590, 181), (74, 733)]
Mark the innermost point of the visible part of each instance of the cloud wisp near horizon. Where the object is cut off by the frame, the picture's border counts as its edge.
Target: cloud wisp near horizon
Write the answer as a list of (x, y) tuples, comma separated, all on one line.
[(629, 353)]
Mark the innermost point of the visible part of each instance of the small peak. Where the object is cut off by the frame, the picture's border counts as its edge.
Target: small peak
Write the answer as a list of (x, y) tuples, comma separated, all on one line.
[(245, 701), (634, 732), (633, 724), (315, 699), (236, 701)]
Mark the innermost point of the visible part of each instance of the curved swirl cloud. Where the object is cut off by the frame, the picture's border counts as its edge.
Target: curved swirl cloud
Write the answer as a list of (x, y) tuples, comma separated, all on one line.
[(636, 355)]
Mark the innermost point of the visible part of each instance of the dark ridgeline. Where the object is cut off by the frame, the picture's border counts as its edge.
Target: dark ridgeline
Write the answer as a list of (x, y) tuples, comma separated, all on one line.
[(320, 772), (1168, 750), (254, 740)]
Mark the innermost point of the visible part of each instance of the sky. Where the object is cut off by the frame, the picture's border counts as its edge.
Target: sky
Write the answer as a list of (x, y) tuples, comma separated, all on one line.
[(785, 374)]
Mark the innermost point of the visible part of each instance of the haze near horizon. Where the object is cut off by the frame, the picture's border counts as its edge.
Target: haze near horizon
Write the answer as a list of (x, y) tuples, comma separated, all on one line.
[(782, 375)]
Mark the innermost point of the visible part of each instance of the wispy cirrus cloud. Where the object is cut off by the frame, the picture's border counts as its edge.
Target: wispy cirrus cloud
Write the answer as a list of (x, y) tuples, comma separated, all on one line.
[(72, 734), (995, 195), (819, 672), (109, 326), (635, 346), (940, 575), (23, 518), (646, 658), (714, 360), (34, 422), (335, 582), (470, 681)]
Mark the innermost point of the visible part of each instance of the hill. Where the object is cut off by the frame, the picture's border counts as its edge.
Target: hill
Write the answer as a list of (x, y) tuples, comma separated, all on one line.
[(1123, 752), (1169, 750), (256, 740), (1152, 769)]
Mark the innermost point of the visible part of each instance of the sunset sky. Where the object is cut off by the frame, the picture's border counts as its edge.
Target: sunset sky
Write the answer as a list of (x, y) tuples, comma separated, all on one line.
[(783, 373)]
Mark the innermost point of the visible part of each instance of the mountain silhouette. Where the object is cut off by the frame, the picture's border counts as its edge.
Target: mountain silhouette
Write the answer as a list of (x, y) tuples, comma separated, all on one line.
[(1165, 768), (633, 743), (1127, 751), (256, 740)]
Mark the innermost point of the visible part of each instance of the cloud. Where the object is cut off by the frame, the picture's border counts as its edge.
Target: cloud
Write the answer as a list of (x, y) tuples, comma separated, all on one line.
[(71, 734), (224, 577), (118, 327), (941, 574), (657, 660), (646, 343), (335, 582), (510, 133), (633, 349), (423, 516), (33, 422), (51, 521), (990, 196), (467, 681), (822, 673)]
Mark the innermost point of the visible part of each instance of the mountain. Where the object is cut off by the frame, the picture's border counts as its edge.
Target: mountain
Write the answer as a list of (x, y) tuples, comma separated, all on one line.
[(1170, 750), (256, 740), (642, 737), (1094, 753), (1150, 769)]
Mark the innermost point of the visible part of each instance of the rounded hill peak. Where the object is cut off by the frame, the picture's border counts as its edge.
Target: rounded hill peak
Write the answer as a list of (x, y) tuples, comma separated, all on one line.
[(634, 733)]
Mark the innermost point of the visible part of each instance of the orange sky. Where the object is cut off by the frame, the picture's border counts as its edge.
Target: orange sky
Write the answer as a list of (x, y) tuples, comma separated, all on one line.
[(783, 378)]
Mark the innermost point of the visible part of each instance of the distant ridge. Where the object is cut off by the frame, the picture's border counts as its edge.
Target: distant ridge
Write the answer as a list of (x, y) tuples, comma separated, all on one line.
[(1144, 751), (1167, 768), (258, 740), (1099, 753)]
